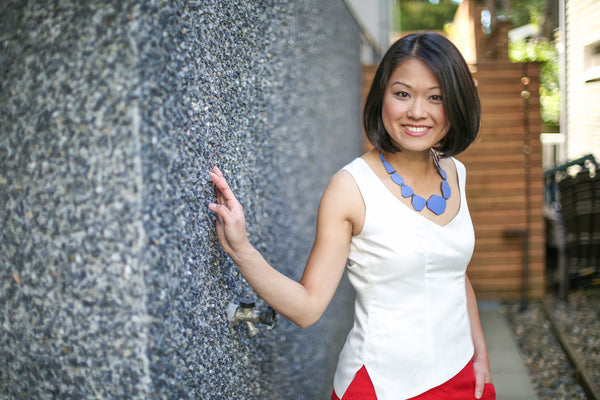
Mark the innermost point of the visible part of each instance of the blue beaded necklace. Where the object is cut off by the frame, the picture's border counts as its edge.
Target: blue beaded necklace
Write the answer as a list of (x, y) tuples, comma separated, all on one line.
[(436, 203)]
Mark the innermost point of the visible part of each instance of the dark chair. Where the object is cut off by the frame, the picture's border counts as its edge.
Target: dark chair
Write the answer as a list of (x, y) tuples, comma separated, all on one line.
[(572, 209)]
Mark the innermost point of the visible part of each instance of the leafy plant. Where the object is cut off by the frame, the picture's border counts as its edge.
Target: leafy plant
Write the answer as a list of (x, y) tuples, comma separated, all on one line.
[(542, 51), (413, 15)]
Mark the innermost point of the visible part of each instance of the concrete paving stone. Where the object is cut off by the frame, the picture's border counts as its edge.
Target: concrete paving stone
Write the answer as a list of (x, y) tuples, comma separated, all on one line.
[(511, 378)]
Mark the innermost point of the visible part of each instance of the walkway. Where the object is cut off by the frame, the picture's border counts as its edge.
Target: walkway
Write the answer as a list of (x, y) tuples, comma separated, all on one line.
[(510, 376)]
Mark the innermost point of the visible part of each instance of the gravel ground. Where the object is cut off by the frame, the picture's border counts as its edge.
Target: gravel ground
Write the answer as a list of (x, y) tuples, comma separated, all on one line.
[(552, 374)]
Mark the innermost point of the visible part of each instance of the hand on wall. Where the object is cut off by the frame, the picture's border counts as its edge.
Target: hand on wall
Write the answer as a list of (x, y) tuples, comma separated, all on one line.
[(230, 223)]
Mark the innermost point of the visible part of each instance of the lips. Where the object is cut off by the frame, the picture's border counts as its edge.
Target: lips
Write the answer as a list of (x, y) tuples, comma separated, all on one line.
[(416, 131)]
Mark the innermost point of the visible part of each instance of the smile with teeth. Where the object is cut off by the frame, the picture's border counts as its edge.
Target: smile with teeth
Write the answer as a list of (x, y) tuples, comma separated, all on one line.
[(416, 130)]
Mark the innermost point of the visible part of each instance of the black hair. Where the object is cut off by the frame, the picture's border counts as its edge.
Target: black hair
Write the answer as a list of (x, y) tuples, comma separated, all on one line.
[(459, 94)]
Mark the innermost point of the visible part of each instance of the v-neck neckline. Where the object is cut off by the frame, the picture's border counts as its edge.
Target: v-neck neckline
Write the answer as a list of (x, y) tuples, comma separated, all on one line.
[(415, 212)]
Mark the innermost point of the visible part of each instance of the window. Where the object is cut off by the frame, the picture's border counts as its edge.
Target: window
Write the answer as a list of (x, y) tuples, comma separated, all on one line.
[(591, 62)]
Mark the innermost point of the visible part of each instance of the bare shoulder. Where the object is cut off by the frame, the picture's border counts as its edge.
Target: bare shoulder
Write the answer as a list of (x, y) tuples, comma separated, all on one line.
[(343, 201), (450, 165), (341, 189)]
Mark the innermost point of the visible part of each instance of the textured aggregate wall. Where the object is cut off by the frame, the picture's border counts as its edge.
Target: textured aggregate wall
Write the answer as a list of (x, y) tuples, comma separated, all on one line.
[(111, 115)]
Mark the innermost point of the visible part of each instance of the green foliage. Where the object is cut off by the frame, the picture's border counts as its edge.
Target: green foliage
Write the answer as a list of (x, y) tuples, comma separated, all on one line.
[(531, 11), (417, 15), (534, 50), (523, 12), (542, 51)]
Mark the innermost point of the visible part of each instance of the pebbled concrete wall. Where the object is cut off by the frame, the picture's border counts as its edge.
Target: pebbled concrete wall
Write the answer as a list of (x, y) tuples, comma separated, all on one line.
[(112, 284)]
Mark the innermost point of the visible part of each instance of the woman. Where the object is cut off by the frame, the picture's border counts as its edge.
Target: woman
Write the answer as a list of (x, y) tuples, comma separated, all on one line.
[(398, 218)]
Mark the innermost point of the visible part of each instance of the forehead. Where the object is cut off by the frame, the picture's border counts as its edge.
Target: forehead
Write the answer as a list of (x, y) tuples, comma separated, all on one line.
[(413, 71)]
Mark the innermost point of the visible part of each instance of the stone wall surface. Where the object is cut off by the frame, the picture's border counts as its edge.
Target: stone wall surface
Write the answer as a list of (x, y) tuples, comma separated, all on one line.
[(111, 115)]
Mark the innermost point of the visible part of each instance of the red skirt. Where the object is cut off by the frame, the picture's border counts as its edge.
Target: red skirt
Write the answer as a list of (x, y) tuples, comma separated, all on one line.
[(460, 387)]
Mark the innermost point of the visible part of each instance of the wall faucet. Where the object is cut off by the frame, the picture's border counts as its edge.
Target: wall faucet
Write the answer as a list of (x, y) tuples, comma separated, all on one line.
[(246, 312)]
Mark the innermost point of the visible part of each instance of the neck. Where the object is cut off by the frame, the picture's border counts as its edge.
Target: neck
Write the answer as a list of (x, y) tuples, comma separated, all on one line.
[(436, 203), (420, 163)]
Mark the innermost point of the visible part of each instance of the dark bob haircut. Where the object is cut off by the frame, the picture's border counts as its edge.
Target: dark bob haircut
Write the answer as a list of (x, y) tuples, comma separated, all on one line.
[(459, 95)]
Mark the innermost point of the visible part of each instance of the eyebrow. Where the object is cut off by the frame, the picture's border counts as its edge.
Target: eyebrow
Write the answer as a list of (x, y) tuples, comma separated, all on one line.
[(410, 87)]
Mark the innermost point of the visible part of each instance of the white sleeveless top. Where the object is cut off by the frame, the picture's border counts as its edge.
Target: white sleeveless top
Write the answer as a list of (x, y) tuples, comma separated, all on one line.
[(411, 327)]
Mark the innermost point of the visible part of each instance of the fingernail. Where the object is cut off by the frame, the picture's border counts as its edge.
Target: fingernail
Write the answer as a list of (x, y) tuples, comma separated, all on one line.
[(478, 395)]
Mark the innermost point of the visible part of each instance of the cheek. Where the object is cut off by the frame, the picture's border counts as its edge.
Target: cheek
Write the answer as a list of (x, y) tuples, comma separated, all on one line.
[(442, 116), (388, 110), (385, 112), (444, 121)]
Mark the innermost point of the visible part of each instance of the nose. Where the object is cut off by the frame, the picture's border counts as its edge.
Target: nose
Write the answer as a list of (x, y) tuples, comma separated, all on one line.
[(417, 109)]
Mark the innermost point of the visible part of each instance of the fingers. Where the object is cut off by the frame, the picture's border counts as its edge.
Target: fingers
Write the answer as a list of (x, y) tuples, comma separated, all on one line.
[(226, 205), (230, 222), (221, 210), (479, 386), (222, 186), (482, 375), (478, 392)]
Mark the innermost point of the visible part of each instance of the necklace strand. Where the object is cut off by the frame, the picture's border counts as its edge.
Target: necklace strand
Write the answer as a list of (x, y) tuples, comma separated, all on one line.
[(435, 203)]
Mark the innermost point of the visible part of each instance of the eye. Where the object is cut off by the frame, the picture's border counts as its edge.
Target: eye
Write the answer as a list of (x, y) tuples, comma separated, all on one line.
[(436, 97), (402, 94)]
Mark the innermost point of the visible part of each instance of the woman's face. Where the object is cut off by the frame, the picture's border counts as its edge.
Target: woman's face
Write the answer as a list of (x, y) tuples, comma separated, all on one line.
[(412, 111)]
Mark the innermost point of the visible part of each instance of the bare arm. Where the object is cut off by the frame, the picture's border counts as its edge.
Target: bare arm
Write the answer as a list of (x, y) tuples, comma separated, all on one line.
[(301, 302), (481, 362)]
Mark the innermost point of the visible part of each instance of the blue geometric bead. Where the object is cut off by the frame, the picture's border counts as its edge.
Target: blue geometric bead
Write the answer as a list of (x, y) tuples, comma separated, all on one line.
[(388, 167), (418, 202), (397, 179), (446, 191), (437, 204), (407, 191), (442, 173)]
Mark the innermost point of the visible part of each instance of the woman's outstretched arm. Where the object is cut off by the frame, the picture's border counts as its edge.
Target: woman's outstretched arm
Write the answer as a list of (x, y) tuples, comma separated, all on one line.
[(301, 302)]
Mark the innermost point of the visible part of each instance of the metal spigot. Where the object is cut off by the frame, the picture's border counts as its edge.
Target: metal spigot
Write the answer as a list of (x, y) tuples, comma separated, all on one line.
[(246, 312)]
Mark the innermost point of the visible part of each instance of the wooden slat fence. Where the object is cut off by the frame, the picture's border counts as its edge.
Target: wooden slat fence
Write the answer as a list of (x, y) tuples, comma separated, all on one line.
[(497, 182)]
